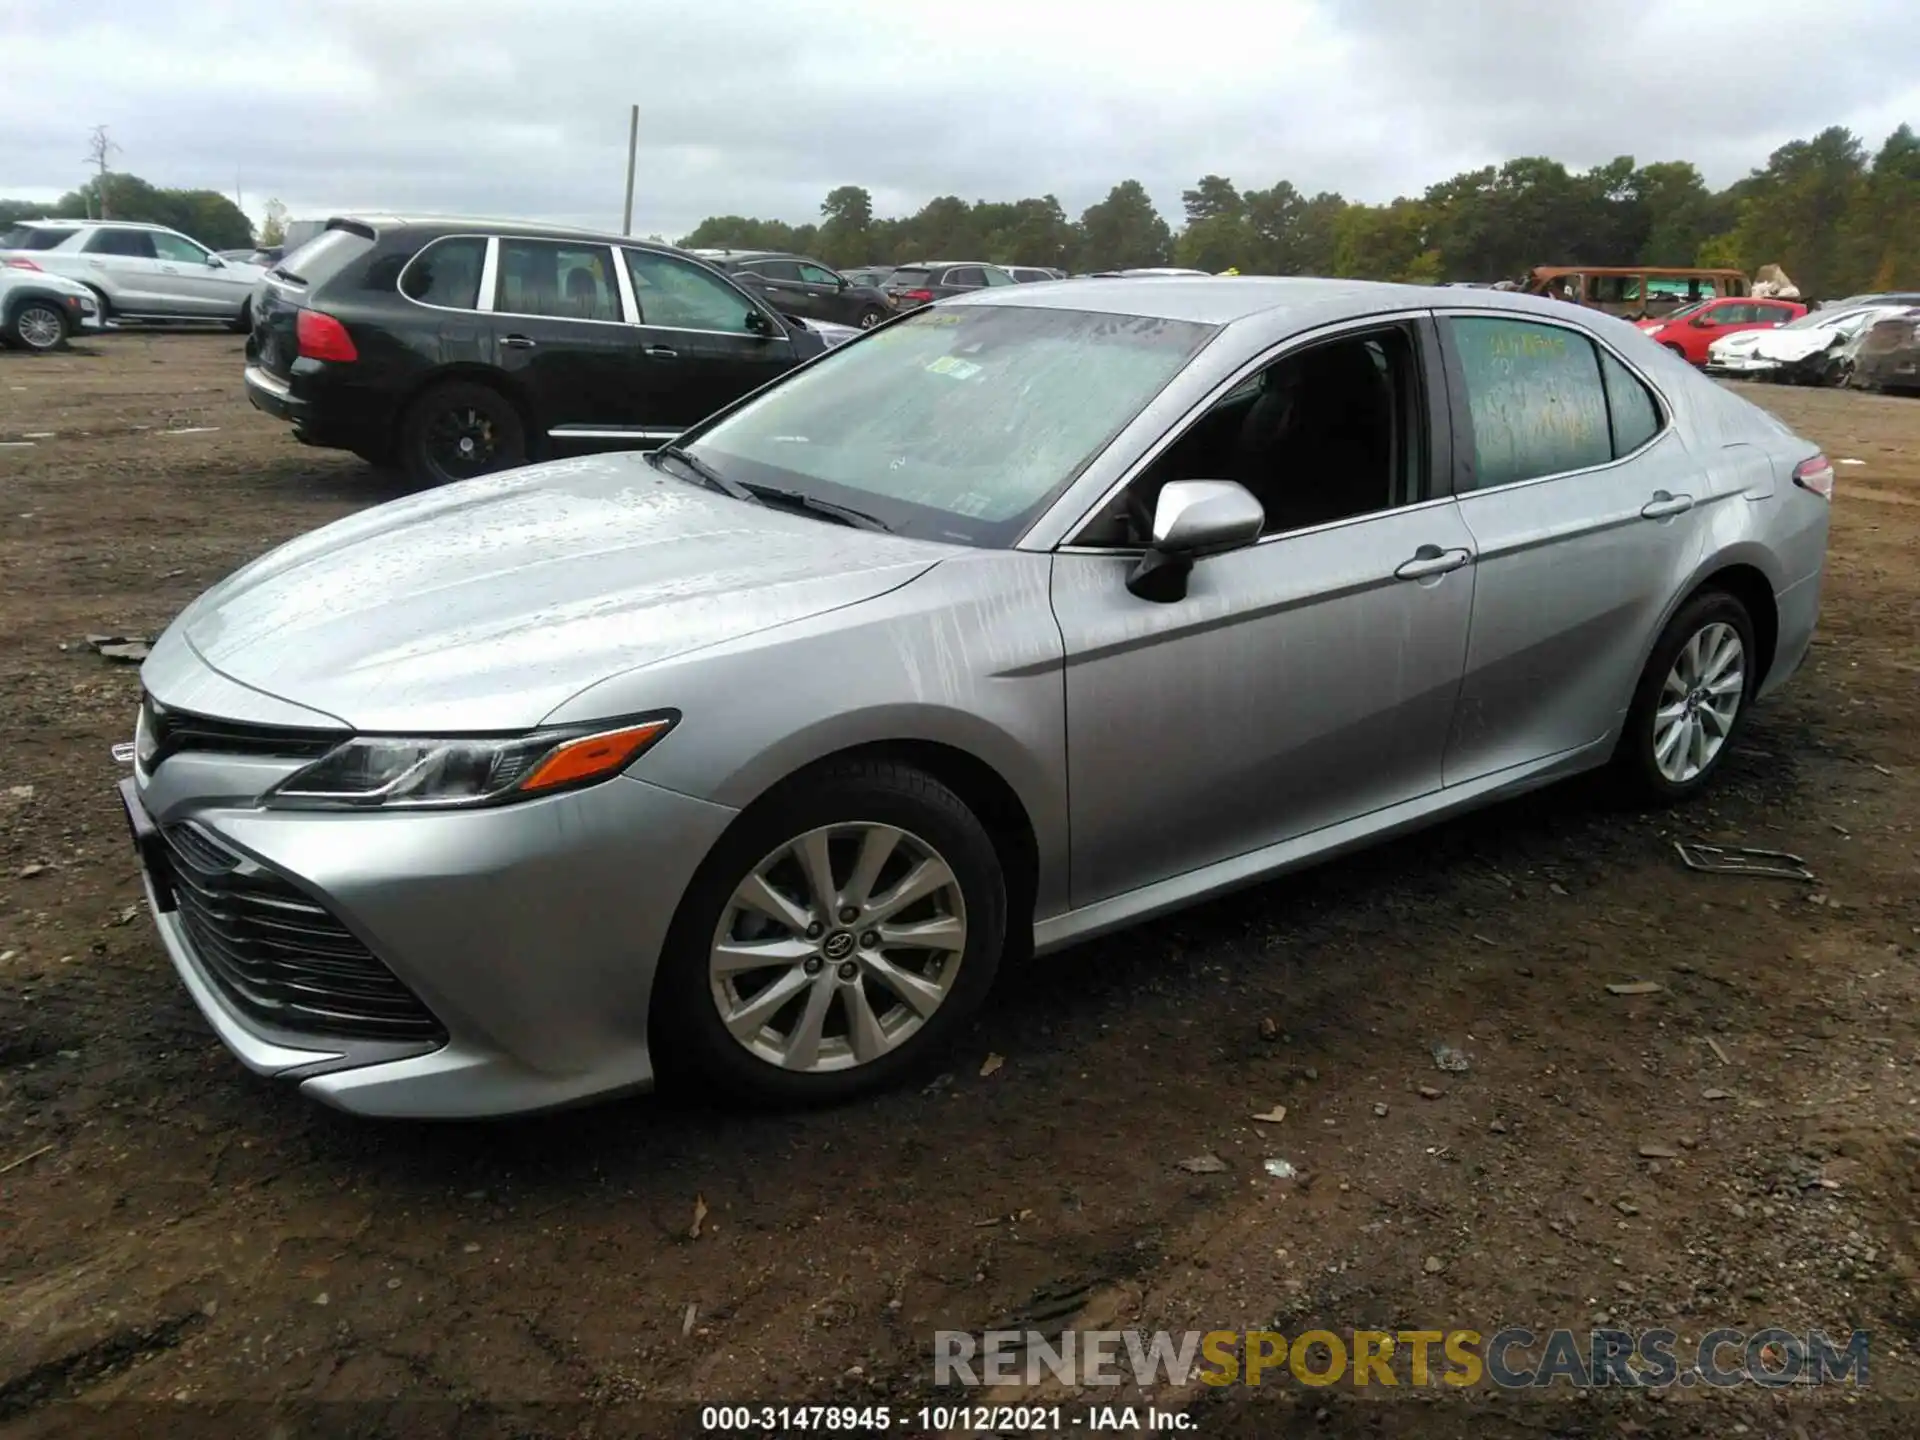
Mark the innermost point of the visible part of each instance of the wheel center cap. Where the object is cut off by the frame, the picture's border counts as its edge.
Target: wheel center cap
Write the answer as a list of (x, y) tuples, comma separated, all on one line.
[(466, 446), (839, 945)]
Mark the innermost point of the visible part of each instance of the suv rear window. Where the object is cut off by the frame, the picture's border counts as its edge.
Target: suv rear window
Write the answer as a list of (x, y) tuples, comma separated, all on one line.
[(25, 237), (909, 275), (323, 257)]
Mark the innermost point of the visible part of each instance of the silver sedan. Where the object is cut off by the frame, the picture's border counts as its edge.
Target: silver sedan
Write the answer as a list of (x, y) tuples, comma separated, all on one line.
[(1019, 619)]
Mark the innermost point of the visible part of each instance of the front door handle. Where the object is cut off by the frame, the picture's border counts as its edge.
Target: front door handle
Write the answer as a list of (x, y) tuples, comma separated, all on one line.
[(1662, 505), (518, 342), (1431, 560), (662, 352)]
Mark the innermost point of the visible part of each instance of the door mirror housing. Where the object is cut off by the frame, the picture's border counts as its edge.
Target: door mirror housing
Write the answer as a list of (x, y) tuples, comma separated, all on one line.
[(214, 262), (759, 324), (1193, 518), (1703, 322)]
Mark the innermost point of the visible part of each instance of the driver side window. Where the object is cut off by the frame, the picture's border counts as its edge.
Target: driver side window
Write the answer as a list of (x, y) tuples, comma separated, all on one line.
[(678, 296), (1325, 433), (179, 250)]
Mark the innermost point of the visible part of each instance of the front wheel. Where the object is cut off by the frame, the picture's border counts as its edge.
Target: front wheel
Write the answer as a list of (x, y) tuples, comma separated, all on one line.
[(1692, 699), (837, 939), (38, 325), (459, 430)]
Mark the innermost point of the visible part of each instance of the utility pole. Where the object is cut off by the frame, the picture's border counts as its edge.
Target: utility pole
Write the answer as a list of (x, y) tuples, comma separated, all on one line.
[(100, 148), (633, 147)]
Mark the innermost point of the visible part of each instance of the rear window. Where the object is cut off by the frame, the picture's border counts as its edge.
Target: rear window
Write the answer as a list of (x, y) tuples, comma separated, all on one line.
[(323, 257), (908, 276), (25, 237)]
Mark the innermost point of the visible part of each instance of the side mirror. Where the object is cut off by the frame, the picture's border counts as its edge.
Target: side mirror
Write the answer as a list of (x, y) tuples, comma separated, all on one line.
[(758, 323), (214, 262), (1703, 322), (1193, 518)]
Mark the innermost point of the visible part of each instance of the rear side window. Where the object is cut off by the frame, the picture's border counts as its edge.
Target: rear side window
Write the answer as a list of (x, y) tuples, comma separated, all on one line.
[(25, 237), (557, 279), (446, 273), (964, 275), (1631, 408), (777, 269), (1538, 404), (137, 244)]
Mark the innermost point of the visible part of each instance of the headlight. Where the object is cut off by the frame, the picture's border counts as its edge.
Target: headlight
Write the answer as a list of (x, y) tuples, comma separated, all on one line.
[(405, 773)]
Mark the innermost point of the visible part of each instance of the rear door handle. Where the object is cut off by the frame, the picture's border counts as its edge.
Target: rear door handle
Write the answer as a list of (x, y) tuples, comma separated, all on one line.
[(1662, 505), (662, 352), (1432, 560), (518, 342)]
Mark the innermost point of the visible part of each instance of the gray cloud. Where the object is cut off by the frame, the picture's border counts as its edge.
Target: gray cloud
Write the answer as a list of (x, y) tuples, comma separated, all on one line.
[(485, 106)]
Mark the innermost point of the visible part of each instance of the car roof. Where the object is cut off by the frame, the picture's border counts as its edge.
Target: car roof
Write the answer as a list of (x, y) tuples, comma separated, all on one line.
[(493, 225), (1224, 299), (67, 222)]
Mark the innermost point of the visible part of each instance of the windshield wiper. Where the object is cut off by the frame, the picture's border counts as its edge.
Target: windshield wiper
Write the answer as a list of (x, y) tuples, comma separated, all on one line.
[(814, 505), (705, 473)]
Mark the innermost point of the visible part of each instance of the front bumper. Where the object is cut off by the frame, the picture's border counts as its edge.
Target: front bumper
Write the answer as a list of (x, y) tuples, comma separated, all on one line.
[(531, 932), (1739, 366)]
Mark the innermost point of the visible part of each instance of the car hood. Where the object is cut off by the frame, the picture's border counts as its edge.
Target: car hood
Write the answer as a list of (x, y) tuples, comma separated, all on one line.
[(1737, 344), (1789, 345), (485, 605)]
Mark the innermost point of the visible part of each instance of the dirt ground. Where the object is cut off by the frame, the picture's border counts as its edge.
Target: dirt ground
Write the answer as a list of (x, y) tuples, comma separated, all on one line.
[(174, 1229)]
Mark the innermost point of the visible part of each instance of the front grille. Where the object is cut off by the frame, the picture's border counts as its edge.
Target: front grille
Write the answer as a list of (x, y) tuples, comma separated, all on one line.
[(167, 732), (276, 954)]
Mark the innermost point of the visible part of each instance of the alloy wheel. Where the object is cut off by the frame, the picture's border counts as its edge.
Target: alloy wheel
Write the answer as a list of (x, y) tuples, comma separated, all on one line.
[(39, 327), (1698, 701), (838, 947), (462, 441)]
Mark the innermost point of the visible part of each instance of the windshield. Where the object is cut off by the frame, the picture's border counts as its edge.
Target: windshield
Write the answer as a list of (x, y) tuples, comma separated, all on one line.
[(954, 424), (1823, 319)]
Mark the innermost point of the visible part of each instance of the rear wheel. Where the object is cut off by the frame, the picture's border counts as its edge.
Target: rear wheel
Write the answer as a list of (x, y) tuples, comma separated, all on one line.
[(838, 938), (243, 322), (871, 316), (37, 325), (459, 430), (1692, 699), (1668, 344)]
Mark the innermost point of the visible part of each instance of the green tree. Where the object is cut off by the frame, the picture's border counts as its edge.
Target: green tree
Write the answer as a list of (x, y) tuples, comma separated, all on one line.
[(273, 228), (846, 236), (1794, 213), (206, 215), (1123, 231), (1882, 231)]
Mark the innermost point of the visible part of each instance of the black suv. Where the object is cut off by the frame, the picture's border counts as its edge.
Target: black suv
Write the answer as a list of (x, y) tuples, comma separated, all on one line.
[(924, 281), (795, 285), (456, 347)]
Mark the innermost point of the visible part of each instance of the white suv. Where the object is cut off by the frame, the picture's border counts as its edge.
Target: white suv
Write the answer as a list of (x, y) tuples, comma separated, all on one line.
[(139, 271)]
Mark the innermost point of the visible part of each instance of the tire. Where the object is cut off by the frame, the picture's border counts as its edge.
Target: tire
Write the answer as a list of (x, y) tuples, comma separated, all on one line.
[(1664, 698), (459, 411), (106, 305), (834, 969), (37, 325), (243, 322), (871, 316)]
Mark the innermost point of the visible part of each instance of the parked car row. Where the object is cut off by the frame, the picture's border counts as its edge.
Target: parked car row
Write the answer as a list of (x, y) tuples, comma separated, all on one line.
[(1820, 347), (136, 271)]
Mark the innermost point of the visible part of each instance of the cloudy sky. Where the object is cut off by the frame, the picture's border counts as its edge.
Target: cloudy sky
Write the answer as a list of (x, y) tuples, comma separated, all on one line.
[(761, 106)]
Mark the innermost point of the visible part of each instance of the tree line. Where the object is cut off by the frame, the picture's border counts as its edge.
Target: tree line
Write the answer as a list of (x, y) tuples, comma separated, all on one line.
[(1837, 220), (207, 215)]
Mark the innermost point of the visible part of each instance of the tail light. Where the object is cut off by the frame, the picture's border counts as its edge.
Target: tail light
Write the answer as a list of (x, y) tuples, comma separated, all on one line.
[(920, 297), (21, 265), (321, 337), (1815, 475)]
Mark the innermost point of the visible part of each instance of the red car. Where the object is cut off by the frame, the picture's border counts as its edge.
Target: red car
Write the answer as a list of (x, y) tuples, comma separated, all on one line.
[(1689, 331)]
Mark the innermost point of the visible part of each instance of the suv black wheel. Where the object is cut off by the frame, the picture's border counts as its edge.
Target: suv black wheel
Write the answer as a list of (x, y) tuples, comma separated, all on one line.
[(838, 938), (458, 430), (1692, 700), (38, 325), (871, 316)]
